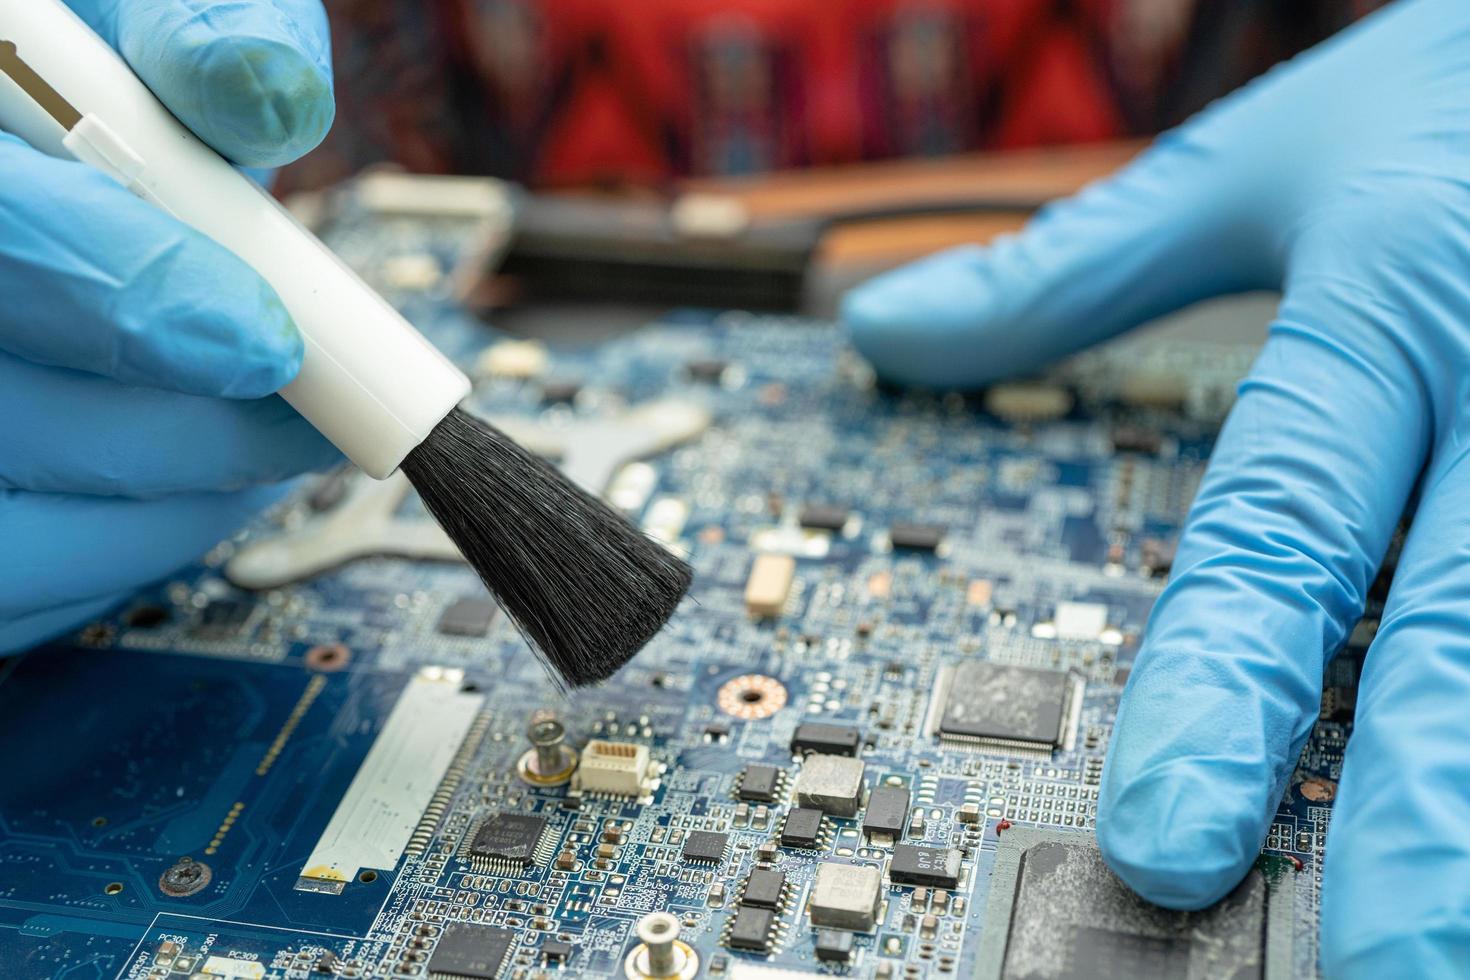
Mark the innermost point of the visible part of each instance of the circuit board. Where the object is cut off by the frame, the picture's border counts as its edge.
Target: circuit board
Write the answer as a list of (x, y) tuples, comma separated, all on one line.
[(868, 745)]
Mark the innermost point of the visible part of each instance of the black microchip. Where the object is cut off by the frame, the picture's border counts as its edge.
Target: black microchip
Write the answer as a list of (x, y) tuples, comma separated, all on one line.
[(917, 537), (834, 945), (556, 951), (223, 616), (751, 929), (888, 811), (1136, 439), (468, 616), (815, 736), (146, 616), (759, 783), (471, 951), (763, 888), (709, 369), (936, 867), (1056, 912), (557, 391), (705, 845), (999, 702), (802, 827), (509, 837), (823, 517)]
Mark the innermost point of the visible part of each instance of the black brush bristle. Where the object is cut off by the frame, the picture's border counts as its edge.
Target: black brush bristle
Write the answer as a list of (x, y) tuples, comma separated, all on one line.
[(586, 588)]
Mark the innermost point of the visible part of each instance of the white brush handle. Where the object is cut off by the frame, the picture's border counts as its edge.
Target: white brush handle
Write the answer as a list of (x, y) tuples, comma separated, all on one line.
[(369, 382)]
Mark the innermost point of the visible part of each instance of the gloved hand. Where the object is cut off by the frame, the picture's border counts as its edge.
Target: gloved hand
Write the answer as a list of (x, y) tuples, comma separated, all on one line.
[(1342, 178), (137, 357)]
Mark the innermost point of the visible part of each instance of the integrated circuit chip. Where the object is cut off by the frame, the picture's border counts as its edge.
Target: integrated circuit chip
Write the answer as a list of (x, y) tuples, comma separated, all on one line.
[(936, 867), (707, 846), (803, 827), (471, 952), (759, 783), (816, 736), (1056, 912), (751, 929), (769, 585), (916, 537), (845, 896), (508, 841), (830, 783), (763, 888), (1005, 706), (887, 813), (833, 945), (467, 616), (823, 517)]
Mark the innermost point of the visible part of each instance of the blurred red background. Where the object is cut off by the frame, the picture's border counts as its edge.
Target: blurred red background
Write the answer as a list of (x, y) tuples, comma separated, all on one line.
[(620, 92)]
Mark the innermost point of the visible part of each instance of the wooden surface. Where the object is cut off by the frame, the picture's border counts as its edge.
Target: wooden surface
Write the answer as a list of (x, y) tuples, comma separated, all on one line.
[(1023, 176)]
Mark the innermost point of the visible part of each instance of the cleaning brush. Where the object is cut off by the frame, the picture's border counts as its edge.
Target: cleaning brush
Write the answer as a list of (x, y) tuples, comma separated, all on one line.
[(586, 588)]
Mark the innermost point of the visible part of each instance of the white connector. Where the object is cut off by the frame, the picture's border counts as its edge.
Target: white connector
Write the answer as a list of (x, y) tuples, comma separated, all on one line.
[(615, 768)]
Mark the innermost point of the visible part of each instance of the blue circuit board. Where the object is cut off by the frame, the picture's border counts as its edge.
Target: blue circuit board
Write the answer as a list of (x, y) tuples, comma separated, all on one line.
[(170, 773)]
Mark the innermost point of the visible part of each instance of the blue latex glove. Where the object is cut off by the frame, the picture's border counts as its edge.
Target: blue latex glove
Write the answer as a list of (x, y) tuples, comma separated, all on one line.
[(138, 358), (1342, 178)]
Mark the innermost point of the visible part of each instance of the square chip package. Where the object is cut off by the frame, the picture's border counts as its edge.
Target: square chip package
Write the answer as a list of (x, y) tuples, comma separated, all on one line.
[(471, 952), (705, 846), (508, 842), (1006, 707), (1057, 912)]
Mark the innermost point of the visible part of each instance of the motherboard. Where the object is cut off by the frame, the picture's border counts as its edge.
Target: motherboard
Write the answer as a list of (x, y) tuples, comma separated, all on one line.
[(869, 744)]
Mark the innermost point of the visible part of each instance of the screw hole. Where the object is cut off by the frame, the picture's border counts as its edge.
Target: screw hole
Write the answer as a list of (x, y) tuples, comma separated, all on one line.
[(368, 877), (113, 888)]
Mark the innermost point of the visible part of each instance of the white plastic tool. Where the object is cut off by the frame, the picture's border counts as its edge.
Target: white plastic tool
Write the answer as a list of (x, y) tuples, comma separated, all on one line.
[(369, 382)]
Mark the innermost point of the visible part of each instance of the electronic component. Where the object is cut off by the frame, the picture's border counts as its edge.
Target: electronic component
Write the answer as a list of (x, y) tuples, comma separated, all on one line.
[(803, 828), (1006, 707), (556, 951), (1080, 620), (615, 768), (661, 954), (751, 696), (759, 783), (467, 616), (1028, 401), (223, 617), (393, 787), (751, 929), (830, 783), (558, 391), (508, 842), (763, 888), (816, 736), (706, 369), (915, 537), (229, 968), (845, 896), (914, 864), (769, 584), (833, 945), (705, 845), (823, 517), (471, 952), (550, 761), (1055, 911), (887, 813)]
